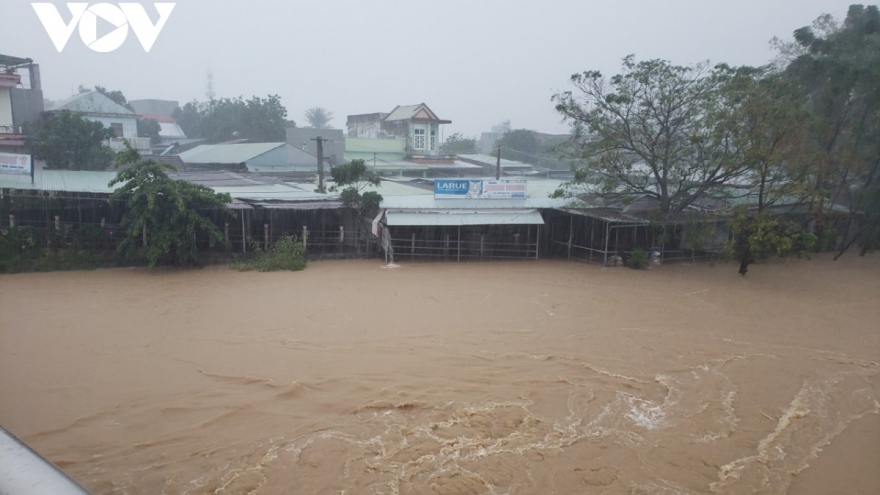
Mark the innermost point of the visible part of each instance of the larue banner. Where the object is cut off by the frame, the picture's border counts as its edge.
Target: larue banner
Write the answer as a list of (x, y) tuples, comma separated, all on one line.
[(15, 164), (479, 189)]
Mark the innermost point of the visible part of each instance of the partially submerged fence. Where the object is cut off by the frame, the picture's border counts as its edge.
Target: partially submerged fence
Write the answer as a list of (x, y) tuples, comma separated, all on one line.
[(462, 243)]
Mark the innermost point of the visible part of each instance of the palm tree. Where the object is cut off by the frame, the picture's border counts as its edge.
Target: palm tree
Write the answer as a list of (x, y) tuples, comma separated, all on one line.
[(319, 118)]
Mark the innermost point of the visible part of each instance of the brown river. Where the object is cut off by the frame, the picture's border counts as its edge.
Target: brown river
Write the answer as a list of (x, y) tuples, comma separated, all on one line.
[(542, 377)]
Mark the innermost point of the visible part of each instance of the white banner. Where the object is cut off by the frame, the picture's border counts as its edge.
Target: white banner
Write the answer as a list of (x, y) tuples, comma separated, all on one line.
[(15, 164)]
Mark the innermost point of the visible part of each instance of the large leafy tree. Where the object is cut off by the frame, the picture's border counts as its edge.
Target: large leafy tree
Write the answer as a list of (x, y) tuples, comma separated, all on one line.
[(651, 130), (257, 119), (459, 143), (839, 77), (70, 142), (765, 123), (173, 212), (319, 118), (351, 179)]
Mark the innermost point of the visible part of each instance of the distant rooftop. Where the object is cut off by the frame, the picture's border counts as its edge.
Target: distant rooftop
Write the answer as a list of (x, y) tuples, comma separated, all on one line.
[(92, 103)]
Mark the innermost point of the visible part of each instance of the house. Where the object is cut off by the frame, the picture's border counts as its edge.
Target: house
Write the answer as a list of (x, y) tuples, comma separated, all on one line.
[(21, 101), (417, 125), (265, 158), (162, 111), (97, 107)]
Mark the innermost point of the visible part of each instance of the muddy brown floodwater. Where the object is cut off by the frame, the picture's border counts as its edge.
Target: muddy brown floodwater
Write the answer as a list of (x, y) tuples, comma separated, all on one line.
[(496, 378)]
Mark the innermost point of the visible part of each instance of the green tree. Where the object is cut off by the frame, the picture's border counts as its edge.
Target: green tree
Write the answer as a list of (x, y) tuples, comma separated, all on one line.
[(319, 118), (839, 74), (70, 142), (257, 119), (651, 130), (174, 212), (459, 143), (766, 123), (755, 236), (149, 128), (350, 180), (116, 95)]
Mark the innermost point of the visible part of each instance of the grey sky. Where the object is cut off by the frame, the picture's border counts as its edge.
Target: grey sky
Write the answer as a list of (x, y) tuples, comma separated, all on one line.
[(475, 62)]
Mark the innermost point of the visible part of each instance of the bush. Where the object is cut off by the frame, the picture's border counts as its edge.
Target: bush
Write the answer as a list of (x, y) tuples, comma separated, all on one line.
[(638, 260), (286, 254)]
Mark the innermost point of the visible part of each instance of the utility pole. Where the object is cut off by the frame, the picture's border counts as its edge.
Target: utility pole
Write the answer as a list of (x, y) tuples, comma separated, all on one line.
[(498, 165), (320, 142)]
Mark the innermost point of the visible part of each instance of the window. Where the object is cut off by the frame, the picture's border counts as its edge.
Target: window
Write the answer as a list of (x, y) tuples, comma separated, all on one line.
[(433, 139), (117, 129), (419, 139)]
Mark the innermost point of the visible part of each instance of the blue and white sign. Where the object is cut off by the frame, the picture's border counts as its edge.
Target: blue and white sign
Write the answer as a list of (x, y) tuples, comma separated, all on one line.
[(15, 164), (480, 189)]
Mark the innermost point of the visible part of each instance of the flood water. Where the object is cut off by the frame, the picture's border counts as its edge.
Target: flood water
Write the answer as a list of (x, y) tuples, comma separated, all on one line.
[(443, 378)]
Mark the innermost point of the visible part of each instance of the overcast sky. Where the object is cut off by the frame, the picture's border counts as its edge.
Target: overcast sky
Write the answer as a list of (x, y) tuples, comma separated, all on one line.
[(474, 62)]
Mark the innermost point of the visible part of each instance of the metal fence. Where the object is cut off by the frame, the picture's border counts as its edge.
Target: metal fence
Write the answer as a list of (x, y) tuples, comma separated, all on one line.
[(456, 244)]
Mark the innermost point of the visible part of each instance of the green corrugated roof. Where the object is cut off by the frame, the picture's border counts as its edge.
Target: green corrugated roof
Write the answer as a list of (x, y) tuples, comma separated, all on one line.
[(366, 145), (61, 180), (227, 153)]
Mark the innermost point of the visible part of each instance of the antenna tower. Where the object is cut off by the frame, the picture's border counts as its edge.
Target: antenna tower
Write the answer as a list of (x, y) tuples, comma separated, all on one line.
[(209, 85)]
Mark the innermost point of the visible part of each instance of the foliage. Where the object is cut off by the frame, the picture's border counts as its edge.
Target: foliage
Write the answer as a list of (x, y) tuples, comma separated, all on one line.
[(286, 254), (637, 260), (650, 130), (149, 128), (173, 211), (459, 143), (68, 141), (838, 73), (766, 125), (257, 119), (351, 179), (758, 236), (116, 95), (38, 250), (319, 118)]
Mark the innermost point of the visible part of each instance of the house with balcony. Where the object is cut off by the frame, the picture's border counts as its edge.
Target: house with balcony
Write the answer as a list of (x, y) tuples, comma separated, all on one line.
[(21, 101), (405, 141), (96, 107)]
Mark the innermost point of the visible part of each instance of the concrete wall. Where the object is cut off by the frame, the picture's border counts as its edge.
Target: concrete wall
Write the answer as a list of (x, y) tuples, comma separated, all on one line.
[(297, 136), (367, 125), (27, 106), (5, 109), (129, 124)]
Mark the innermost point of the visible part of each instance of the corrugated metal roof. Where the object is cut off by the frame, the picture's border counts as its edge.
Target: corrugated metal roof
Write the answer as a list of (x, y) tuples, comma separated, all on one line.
[(403, 112), (61, 180), (462, 218), (367, 145), (489, 160), (428, 202), (92, 102), (227, 153), (170, 130)]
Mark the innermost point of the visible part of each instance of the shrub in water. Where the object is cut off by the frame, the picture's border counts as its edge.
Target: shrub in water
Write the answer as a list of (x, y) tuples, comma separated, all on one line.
[(286, 254), (638, 260)]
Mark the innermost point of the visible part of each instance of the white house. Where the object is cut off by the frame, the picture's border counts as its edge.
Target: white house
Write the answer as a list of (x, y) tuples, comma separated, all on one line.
[(96, 107)]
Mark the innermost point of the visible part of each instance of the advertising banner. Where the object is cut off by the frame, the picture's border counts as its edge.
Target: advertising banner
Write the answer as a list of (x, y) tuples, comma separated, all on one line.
[(15, 164), (479, 189)]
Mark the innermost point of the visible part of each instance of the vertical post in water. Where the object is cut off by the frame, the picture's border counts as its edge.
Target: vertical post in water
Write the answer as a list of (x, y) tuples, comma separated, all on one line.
[(57, 223), (265, 237), (305, 239), (243, 233)]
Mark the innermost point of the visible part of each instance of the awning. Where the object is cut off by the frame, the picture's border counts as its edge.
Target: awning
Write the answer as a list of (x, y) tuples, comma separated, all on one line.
[(462, 218)]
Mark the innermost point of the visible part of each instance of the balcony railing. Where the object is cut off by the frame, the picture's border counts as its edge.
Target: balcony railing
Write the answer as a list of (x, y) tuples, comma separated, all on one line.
[(138, 143), (10, 129)]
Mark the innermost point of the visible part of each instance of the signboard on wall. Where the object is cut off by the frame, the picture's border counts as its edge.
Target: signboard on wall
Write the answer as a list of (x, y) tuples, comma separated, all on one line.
[(15, 164), (479, 189)]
